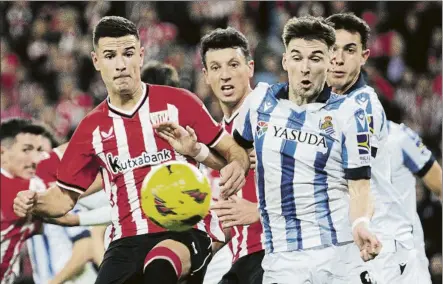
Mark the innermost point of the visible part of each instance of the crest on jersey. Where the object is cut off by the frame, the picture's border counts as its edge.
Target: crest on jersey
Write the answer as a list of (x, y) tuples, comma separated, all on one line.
[(262, 127), (159, 117), (326, 125)]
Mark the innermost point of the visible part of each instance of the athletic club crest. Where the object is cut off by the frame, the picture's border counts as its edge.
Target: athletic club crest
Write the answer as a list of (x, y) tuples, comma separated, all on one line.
[(327, 126), (262, 127)]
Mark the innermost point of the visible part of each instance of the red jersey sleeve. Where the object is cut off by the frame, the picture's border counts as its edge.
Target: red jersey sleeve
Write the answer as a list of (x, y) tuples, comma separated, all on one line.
[(47, 168), (207, 129), (79, 166)]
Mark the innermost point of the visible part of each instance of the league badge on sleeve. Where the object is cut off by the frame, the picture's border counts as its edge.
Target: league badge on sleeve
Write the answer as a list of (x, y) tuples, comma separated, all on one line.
[(262, 127)]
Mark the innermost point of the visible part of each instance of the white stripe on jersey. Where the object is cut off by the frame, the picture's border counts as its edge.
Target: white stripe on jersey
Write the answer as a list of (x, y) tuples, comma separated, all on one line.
[(128, 175), (147, 130), (110, 188)]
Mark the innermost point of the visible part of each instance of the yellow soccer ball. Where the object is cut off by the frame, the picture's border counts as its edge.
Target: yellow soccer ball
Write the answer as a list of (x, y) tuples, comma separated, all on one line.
[(175, 195)]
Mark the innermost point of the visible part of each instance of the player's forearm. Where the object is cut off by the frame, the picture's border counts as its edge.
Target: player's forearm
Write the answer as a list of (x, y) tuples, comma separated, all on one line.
[(361, 199), (54, 202), (433, 179), (81, 254), (238, 154), (214, 161)]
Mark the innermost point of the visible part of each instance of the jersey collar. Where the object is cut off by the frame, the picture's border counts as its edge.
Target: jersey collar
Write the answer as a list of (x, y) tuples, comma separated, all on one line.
[(361, 82), (6, 173), (131, 113)]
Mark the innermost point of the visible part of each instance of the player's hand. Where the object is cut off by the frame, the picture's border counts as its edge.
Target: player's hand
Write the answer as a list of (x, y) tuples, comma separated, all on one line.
[(183, 140), (366, 241), (24, 203), (252, 159), (232, 179), (236, 211)]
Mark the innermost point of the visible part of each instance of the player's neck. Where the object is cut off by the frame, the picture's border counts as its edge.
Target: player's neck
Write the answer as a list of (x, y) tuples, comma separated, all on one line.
[(299, 100), (345, 88), (126, 101), (228, 109)]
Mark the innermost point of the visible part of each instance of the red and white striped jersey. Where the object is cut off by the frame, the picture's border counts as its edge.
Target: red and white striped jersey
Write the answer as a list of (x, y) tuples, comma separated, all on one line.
[(245, 239), (123, 146), (14, 230)]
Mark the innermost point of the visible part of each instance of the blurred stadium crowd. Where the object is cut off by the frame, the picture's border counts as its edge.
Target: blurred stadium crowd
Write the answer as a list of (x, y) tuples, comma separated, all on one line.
[(46, 71)]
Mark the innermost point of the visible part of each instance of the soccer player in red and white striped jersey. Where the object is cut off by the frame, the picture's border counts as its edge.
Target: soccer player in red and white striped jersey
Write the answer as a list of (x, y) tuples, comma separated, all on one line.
[(21, 150), (118, 139), (228, 68)]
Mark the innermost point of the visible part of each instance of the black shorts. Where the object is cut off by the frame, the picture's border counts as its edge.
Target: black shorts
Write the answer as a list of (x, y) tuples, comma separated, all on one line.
[(246, 270), (124, 259)]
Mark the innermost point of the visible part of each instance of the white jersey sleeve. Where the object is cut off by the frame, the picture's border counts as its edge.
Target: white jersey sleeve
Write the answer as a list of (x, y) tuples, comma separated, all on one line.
[(416, 157), (356, 146), (243, 132)]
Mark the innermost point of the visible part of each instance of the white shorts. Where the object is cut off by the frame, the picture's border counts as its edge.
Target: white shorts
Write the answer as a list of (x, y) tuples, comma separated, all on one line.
[(332, 265), (219, 265), (400, 265)]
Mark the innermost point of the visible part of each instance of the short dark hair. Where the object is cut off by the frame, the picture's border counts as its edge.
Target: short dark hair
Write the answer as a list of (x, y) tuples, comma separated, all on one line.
[(48, 134), (350, 23), (310, 28), (9, 129), (114, 26), (158, 73), (224, 38)]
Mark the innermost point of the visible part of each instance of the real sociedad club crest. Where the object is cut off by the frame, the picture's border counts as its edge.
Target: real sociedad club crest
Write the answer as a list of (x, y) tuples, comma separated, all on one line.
[(327, 125), (262, 127)]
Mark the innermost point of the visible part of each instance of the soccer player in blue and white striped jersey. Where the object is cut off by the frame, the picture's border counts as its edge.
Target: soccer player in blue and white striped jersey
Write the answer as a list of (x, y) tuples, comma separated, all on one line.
[(313, 167), (409, 157), (390, 221)]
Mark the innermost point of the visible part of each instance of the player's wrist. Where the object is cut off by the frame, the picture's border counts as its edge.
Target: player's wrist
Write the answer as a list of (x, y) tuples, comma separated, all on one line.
[(362, 221), (202, 153)]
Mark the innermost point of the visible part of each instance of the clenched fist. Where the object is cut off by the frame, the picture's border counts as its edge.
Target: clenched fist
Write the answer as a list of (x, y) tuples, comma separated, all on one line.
[(24, 202)]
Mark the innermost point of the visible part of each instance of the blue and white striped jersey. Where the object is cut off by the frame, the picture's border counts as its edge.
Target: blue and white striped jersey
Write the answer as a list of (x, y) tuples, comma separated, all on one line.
[(408, 156), (389, 215), (50, 251), (305, 154)]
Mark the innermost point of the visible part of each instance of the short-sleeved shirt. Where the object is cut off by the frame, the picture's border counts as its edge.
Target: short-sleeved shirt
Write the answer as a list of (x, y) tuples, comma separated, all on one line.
[(123, 146), (305, 155)]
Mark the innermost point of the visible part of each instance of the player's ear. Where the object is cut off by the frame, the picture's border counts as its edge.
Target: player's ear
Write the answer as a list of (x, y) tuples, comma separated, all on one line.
[(283, 62), (365, 55), (142, 55), (251, 65), (95, 60), (205, 73)]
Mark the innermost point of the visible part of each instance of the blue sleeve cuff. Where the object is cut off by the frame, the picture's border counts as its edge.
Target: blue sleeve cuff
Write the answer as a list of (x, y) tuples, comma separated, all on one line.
[(421, 173), (358, 173), (242, 141), (82, 235)]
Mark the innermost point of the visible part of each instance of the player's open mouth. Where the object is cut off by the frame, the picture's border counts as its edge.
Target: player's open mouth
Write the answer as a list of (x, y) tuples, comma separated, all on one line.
[(306, 83), (227, 90)]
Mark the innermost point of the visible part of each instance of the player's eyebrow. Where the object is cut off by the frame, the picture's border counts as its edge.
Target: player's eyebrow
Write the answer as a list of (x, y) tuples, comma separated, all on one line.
[(114, 51), (352, 44), (28, 146), (314, 52)]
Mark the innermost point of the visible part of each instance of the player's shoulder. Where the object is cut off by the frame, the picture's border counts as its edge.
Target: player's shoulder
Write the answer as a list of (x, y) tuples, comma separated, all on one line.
[(96, 116), (170, 94), (257, 95)]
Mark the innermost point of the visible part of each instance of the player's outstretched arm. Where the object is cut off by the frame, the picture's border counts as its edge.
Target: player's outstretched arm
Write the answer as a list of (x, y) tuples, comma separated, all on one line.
[(360, 213), (53, 203), (232, 176), (432, 179), (184, 141)]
